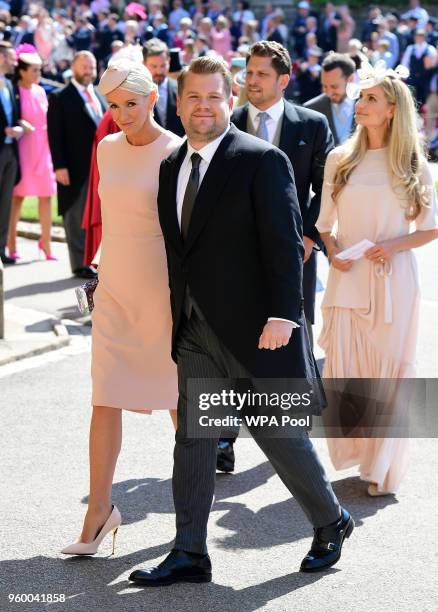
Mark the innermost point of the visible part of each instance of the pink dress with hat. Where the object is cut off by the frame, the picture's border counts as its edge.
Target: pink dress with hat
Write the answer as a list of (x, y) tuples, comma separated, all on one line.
[(37, 176)]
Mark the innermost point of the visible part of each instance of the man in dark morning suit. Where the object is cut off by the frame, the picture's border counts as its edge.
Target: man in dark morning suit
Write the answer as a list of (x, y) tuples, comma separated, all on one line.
[(337, 71), (10, 132), (73, 116), (305, 137), (232, 228), (156, 58)]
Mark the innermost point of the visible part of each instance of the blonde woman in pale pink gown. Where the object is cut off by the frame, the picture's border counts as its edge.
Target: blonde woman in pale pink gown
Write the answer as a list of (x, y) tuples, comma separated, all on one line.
[(377, 186), (132, 368)]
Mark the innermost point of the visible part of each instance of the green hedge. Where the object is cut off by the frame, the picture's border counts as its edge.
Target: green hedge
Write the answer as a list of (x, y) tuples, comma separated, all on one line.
[(29, 212)]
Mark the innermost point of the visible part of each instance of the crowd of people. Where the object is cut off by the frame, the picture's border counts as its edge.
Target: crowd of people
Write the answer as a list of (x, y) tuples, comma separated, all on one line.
[(221, 186), (39, 47)]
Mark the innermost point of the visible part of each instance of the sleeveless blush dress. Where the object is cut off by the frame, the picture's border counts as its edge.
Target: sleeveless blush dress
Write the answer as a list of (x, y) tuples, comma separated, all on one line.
[(131, 336)]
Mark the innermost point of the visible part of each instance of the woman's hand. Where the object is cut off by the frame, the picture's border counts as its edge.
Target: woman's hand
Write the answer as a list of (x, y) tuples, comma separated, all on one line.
[(27, 127), (343, 265), (381, 252)]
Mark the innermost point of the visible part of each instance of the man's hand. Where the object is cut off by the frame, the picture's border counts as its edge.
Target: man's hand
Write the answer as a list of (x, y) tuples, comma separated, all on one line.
[(275, 334), (62, 176), (14, 132), (308, 247)]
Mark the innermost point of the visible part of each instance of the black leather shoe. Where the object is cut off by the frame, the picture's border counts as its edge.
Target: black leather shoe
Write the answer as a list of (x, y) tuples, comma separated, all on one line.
[(178, 566), (85, 272), (7, 261), (225, 456), (327, 544)]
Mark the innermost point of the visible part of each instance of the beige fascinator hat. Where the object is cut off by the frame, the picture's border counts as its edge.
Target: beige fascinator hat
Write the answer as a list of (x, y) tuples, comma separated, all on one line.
[(127, 74), (370, 76), (32, 59)]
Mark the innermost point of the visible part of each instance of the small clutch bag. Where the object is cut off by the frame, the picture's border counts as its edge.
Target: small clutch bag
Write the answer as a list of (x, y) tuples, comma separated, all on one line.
[(84, 295)]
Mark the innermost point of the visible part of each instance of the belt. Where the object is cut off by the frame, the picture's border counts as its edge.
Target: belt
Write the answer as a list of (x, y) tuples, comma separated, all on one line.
[(384, 270)]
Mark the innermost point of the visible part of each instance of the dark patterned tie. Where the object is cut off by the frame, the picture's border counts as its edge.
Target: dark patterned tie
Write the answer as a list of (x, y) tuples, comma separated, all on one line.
[(190, 194)]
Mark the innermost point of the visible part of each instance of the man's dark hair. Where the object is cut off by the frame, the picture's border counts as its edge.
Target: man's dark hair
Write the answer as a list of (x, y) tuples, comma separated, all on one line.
[(154, 47), (341, 61), (20, 66), (279, 55), (207, 65)]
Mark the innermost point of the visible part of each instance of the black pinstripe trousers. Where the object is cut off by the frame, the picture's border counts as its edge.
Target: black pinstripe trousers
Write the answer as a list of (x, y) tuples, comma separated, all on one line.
[(200, 354)]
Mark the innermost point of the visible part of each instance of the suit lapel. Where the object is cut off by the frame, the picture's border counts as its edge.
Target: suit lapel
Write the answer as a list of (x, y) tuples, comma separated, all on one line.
[(102, 101), (84, 106), (169, 204), (291, 129), (215, 179), (329, 115), (3, 119), (240, 117), (15, 96), (171, 98), (208, 197)]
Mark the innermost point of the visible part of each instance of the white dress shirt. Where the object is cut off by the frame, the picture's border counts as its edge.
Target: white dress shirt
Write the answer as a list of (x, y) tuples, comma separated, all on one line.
[(418, 50), (206, 154), (275, 112)]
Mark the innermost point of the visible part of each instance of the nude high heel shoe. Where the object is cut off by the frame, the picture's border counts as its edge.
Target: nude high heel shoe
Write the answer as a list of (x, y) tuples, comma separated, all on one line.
[(90, 548), (373, 491)]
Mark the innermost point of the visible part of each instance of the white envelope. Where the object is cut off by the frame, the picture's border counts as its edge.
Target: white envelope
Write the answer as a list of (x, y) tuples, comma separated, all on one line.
[(356, 251)]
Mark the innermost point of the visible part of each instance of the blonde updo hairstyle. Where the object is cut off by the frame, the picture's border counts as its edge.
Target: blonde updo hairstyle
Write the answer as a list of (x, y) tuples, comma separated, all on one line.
[(405, 154)]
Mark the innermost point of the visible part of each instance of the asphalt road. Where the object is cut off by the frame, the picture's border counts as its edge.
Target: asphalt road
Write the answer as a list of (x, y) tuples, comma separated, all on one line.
[(257, 534)]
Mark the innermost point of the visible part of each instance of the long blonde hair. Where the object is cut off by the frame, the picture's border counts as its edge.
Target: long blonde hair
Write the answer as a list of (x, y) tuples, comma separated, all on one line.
[(405, 154)]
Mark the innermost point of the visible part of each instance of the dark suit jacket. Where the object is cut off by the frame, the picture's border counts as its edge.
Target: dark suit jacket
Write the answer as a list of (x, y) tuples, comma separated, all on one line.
[(16, 114), (71, 131), (322, 105), (242, 259), (306, 140), (173, 122)]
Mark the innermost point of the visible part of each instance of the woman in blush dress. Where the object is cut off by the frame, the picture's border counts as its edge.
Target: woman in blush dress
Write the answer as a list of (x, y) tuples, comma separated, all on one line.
[(132, 368), (37, 176), (377, 186)]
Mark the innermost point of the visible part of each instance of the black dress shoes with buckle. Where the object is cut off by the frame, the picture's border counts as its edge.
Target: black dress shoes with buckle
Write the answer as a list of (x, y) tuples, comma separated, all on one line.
[(85, 272), (225, 456), (178, 566), (327, 544)]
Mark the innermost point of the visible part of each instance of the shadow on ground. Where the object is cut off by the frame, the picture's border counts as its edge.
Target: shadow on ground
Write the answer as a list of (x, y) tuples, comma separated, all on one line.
[(101, 583)]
